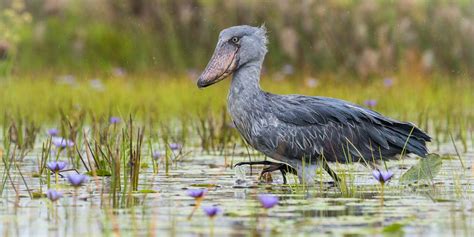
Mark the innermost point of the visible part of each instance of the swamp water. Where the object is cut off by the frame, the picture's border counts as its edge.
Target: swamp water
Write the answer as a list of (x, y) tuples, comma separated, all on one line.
[(440, 207)]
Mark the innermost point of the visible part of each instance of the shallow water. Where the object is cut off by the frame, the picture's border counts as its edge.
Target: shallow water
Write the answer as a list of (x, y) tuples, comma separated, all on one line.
[(439, 208)]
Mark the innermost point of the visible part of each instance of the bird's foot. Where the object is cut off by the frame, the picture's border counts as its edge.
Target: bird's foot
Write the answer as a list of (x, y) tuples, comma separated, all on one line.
[(263, 162), (272, 166)]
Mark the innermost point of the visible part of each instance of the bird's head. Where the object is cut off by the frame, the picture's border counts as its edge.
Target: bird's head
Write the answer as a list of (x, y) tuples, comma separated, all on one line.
[(237, 46)]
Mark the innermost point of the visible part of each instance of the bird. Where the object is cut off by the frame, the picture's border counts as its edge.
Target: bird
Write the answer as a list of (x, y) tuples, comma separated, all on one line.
[(301, 133)]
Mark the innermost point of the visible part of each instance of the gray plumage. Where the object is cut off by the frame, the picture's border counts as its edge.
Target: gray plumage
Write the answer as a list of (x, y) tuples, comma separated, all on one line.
[(290, 128)]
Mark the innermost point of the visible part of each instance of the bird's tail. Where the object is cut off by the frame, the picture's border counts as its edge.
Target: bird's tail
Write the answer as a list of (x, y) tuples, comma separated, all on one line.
[(409, 138)]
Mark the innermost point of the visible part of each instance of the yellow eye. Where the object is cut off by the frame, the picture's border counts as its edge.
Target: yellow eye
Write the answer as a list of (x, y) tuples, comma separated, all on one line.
[(235, 40)]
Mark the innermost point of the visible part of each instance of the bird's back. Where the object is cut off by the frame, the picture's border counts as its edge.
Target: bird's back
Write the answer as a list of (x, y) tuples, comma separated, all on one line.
[(294, 127)]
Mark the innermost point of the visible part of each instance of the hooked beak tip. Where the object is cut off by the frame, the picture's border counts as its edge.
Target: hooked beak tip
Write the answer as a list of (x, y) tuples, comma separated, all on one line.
[(201, 83)]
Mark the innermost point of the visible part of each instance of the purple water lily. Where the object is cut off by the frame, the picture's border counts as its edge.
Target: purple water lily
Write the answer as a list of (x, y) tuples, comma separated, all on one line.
[(382, 176), (268, 201), (388, 82), (196, 193), (370, 103), (53, 132), (77, 180), (61, 142), (156, 155), (211, 211), (56, 166), (175, 146), (53, 195), (114, 120)]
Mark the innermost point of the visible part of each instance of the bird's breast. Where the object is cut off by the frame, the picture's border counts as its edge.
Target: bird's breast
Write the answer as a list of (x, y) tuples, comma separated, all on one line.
[(257, 127)]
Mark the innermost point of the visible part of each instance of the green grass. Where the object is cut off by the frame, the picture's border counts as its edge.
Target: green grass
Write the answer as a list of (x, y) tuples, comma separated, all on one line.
[(170, 109), (168, 104), (41, 98)]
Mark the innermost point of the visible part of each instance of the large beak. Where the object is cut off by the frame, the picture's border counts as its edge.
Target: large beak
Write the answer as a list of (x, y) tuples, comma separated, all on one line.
[(222, 64)]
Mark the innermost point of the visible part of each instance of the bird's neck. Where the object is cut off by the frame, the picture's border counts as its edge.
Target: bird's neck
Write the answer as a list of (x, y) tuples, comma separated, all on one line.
[(246, 80), (245, 97)]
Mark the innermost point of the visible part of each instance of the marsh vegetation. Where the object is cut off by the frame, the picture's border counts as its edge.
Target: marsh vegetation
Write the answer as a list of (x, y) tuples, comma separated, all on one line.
[(103, 131)]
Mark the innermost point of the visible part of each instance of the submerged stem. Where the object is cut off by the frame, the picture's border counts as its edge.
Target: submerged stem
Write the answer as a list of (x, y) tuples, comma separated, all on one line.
[(381, 194), (196, 206), (56, 178)]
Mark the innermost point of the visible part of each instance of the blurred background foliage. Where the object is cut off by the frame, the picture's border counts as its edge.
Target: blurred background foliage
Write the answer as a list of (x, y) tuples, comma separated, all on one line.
[(363, 38)]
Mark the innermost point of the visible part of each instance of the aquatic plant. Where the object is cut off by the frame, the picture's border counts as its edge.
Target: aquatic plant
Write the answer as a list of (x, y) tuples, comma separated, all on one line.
[(370, 103), (268, 200), (114, 120), (211, 211), (388, 82), (53, 132), (77, 180), (53, 195), (56, 166), (382, 176), (61, 142), (156, 155), (198, 195), (21, 132), (175, 146)]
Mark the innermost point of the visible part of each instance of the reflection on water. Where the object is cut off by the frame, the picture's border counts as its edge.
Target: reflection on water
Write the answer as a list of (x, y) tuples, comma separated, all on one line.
[(438, 209)]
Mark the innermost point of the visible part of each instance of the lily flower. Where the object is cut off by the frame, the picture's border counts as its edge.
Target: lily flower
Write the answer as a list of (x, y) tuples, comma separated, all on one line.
[(114, 120), (382, 176), (196, 193), (61, 142), (268, 201), (175, 146), (56, 166), (53, 195), (156, 155), (53, 132), (77, 180), (211, 211), (370, 103), (388, 82)]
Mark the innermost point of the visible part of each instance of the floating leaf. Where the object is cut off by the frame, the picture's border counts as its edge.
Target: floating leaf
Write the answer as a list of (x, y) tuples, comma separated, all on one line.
[(426, 169), (99, 173), (205, 185), (395, 228), (146, 191), (37, 195)]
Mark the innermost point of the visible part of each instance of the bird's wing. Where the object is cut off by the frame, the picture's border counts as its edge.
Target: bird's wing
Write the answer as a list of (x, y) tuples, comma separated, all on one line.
[(331, 124)]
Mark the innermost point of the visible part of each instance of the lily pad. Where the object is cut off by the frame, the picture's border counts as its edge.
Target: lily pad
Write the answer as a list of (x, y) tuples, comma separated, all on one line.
[(147, 191), (35, 175), (37, 195), (425, 169), (204, 185), (395, 228), (99, 173)]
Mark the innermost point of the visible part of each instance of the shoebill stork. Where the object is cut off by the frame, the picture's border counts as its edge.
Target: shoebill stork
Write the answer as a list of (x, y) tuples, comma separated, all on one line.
[(300, 132)]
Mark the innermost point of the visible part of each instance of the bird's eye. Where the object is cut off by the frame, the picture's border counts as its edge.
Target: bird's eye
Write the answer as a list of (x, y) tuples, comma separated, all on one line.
[(235, 40)]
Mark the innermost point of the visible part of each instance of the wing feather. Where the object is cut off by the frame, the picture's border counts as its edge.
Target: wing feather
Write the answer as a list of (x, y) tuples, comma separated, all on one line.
[(336, 128)]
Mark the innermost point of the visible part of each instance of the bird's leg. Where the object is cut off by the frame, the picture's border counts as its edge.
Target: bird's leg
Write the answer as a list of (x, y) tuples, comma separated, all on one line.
[(273, 166), (330, 172), (262, 162), (283, 168)]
